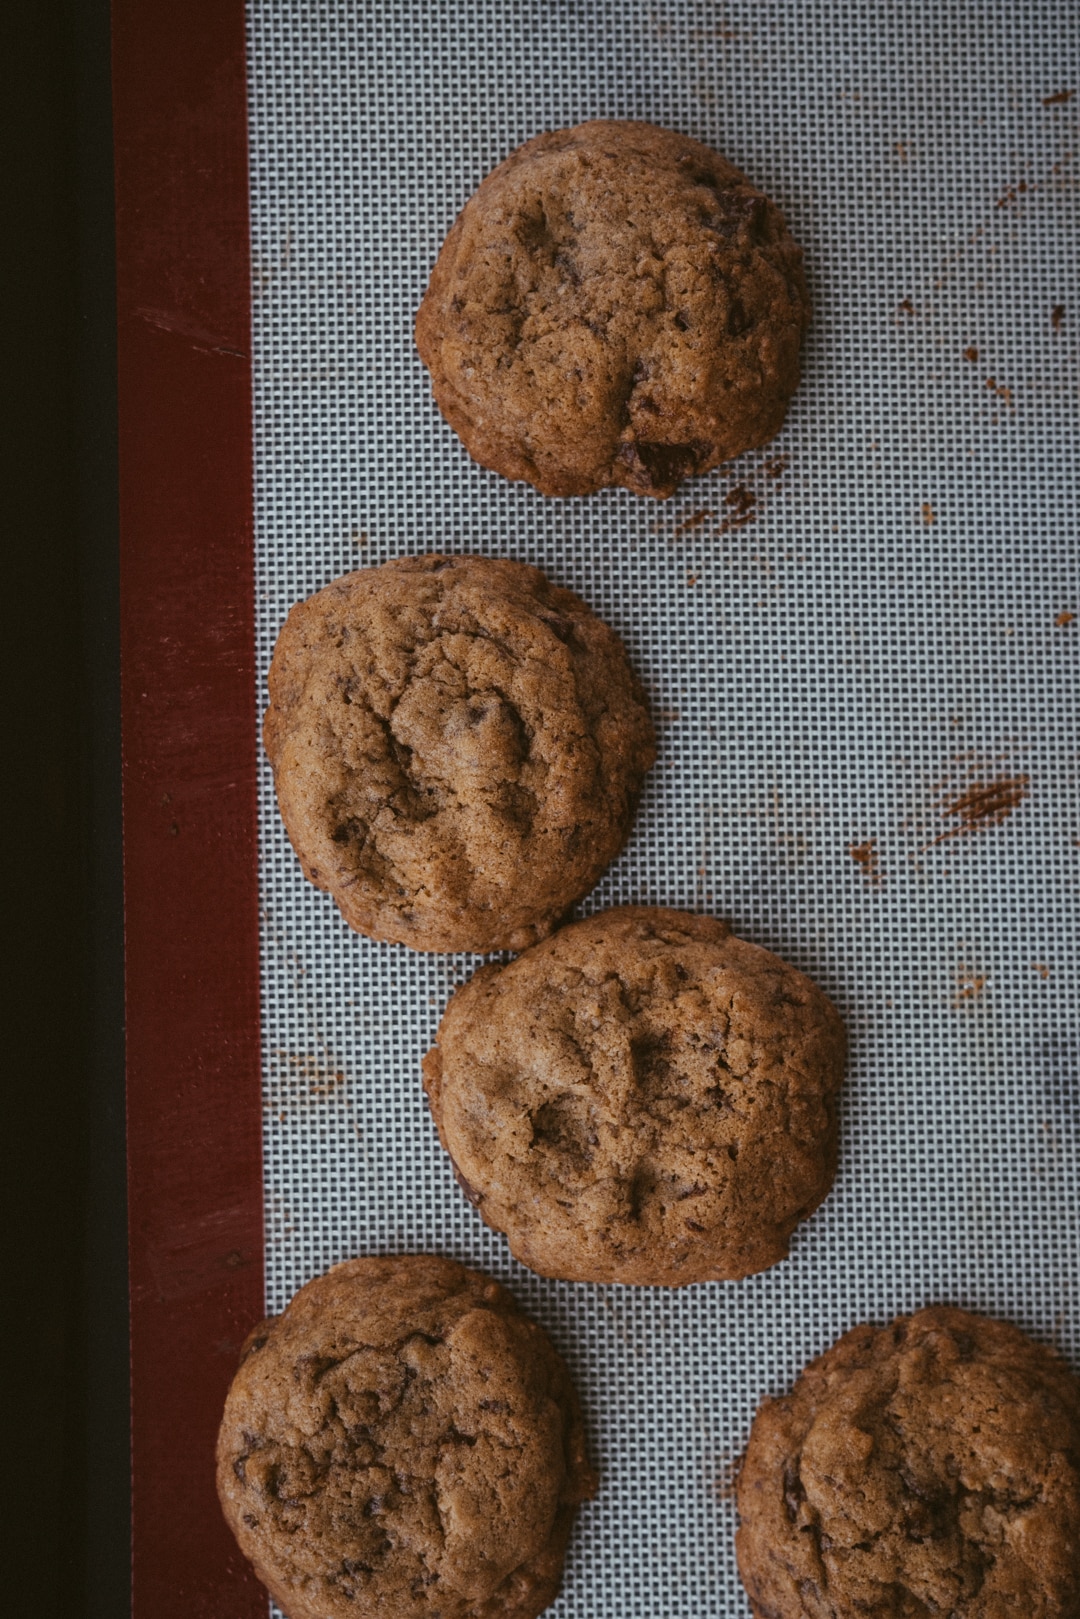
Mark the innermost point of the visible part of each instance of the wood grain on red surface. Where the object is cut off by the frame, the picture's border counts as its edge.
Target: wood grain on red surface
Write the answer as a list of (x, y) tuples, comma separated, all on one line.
[(187, 634)]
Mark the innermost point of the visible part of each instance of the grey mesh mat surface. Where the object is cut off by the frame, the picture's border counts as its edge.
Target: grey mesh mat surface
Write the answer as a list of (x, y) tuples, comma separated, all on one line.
[(860, 660)]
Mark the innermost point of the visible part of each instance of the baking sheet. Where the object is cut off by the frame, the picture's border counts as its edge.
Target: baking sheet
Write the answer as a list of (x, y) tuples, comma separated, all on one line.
[(861, 660)]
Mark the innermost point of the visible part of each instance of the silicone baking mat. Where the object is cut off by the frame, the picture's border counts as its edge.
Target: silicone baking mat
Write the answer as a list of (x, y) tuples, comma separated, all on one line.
[(859, 645)]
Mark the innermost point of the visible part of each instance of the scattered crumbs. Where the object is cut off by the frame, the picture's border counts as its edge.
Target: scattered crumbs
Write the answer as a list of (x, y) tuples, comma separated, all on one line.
[(906, 307), (324, 1081), (1057, 317), (902, 149), (1012, 193), (1041, 968), (865, 855), (695, 520), (969, 985), (929, 516), (971, 353), (743, 503), (1000, 389), (776, 466), (692, 578), (1063, 618), (984, 804), (1058, 98)]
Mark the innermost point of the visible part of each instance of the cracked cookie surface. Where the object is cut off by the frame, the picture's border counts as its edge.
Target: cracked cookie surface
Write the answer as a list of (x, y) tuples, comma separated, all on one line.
[(403, 1440), (642, 1098), (925, 1470), (458, 749), (616, 304)]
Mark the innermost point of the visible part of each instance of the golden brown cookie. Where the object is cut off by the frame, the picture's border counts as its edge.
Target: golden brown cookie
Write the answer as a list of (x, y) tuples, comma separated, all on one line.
[(616, 304), (927, 1470), (458, 748), (402, 1440), (641, 1098)]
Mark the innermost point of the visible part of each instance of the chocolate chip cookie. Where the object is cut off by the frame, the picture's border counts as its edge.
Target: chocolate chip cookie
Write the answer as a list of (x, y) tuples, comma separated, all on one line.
[(616, 304), (930, 1468), (402, 1440), (458, 748), (641, 1098)]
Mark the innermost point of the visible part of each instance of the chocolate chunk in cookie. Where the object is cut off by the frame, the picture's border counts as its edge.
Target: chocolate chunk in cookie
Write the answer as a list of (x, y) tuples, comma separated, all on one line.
[(458, 749), (927, 1470), (616, 304), (641, 1098), (402, 1440)]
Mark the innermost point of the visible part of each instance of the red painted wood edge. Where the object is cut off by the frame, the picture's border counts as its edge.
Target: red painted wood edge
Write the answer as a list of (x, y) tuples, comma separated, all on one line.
[(190, 874)]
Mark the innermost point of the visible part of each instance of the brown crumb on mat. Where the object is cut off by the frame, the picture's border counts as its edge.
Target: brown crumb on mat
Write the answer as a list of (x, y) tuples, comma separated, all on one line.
[(971, 353), (1058, 97), (984, 804), (969, 985), (1000, 389), (695, 520), (1041, 968), (776, 466), (866, 856), (929, 516), (743, 503), (1057, 316), (906, 307), (1064, 617)]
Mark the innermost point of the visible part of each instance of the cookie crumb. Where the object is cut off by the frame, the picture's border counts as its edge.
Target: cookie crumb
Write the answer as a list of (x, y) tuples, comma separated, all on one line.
[(1057, 317), (1058, 98), (971, 353), (1064, 618), (929, 516), (743, 503), (695, 520), (969, 985), (984, 804), (865, 855), (1041, 968)]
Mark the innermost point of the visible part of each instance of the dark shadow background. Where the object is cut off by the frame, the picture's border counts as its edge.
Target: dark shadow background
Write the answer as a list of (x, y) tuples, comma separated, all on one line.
[(65, 1467)]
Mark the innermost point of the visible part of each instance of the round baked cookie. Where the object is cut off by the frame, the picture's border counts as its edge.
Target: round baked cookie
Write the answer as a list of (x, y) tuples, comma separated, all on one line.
[(927, 1470), (402, 1440), (641, 1098), (616, 304), (458, 748)]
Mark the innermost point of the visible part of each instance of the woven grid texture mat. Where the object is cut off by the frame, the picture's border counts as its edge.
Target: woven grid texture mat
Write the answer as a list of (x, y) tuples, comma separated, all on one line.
[(842, 648)]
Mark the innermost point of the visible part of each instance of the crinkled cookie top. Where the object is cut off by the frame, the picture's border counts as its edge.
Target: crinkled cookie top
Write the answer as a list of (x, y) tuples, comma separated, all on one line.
[(403, 1440), (458, 748), (616, 304), (926, 1470), (641, 1098)]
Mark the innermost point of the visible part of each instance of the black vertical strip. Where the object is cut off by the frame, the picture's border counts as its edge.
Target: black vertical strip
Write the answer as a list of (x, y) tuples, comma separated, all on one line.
[(101, 1450), (62, 1186)]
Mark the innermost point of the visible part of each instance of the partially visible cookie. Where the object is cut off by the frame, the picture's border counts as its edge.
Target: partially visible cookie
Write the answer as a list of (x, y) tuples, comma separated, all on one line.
[(641, 1098), (616, 304), (402, 1440), (927, 1470), (458, 748)]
